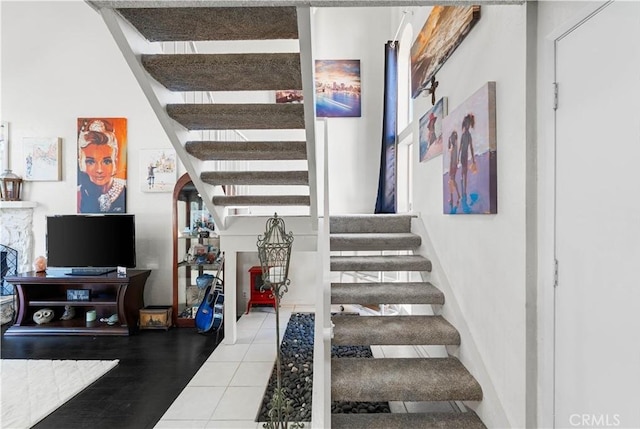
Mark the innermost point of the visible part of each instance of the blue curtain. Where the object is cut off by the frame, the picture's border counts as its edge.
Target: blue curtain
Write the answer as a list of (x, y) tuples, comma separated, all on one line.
[(386, 201)]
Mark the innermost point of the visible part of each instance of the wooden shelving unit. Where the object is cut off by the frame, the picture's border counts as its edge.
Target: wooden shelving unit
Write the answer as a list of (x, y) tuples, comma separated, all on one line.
[(109, 294), (185, 200)]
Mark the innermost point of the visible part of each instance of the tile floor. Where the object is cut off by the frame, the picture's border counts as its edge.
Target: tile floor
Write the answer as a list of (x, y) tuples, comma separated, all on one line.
[(227, 391)]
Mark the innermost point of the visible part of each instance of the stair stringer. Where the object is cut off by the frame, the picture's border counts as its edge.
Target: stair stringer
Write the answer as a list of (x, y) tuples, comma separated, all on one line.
[(305, 31), (132, 45), (490, 410)]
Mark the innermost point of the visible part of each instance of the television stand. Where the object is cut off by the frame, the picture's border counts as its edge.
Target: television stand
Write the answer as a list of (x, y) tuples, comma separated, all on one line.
[(108, 295), (90, 271)]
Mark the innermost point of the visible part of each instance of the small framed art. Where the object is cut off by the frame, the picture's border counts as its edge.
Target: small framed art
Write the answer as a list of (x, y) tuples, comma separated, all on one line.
[(338, 88), (41, 158), (78, 295), (431, 130), (159, 169)]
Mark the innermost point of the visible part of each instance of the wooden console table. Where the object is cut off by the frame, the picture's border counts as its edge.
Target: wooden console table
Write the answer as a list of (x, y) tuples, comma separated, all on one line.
[(108, 295)]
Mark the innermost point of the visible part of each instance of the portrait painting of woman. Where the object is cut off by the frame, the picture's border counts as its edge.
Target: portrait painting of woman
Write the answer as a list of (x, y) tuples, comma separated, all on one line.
[(102, 165)]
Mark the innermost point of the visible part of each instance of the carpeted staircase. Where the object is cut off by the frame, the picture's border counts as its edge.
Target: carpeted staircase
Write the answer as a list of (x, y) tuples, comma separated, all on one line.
[(392, 379), (165, 78), (248, 171)]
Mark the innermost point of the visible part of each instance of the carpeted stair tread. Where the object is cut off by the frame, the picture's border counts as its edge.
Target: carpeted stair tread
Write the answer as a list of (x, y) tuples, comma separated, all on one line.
[(386, 293), (380, 263), (255, 177), (387, 241), (402, 379), (435, 420), (393, 330), (247, 150), (370, 223), (262, 200), (213, 23), (238, 116), (226, 72)]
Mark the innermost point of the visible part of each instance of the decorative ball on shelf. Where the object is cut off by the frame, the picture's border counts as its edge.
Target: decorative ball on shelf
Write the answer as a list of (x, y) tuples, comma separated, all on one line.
[(44, 315), (40, 264)]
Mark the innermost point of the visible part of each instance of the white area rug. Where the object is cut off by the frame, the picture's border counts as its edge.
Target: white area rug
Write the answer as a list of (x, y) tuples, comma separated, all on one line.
[(32, 389)]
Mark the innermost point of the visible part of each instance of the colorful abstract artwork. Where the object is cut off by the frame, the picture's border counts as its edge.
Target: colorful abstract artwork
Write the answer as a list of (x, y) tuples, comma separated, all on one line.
[(102, 165), (41, 158), (289, 96), (337, 88), (470, 160), (431, 131), (159, 169), (445, 29)]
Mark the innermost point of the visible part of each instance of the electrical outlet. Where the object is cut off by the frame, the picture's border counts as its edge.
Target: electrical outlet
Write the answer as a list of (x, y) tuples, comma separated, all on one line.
[(244, 295)]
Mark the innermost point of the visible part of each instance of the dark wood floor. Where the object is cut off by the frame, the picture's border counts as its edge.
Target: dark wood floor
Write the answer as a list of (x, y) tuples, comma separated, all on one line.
[(154, 368)]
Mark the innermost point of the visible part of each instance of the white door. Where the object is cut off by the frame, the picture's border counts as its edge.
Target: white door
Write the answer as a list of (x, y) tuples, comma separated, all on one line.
[(597, 344)]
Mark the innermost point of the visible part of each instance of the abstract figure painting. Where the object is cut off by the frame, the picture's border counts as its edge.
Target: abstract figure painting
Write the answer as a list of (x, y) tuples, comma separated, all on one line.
[(470, 160), (431, 131), (41, 158), (445, 29), (159, 169), (337, 88), (102, 165)]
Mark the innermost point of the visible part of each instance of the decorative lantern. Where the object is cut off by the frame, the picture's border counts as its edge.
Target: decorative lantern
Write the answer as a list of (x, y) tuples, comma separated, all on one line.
[(10, 186), (274, 252)]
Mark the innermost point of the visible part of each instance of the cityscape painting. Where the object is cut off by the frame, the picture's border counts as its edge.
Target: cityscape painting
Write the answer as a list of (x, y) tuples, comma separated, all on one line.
[(338, 88)]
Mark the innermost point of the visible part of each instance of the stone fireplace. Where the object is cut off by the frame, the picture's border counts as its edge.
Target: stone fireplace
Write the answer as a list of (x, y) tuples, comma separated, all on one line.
[(16, 232)]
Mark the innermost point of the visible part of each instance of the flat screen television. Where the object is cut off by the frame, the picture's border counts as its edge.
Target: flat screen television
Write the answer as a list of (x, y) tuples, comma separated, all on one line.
[(91, 244)]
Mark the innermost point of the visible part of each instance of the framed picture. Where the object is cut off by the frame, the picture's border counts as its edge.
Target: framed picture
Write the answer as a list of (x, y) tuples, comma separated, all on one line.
[(338, 88), (102, 165), (159, 169), (431, 131), (41, 158), (445, 29), (4, 145), (469, 163), (201, 220), (289, 96), (78, 295)]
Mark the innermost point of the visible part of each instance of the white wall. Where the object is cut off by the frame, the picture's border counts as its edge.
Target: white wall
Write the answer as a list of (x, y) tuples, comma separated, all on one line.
[(302, 276), (483, 256), (354, 143), (60, 63)]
